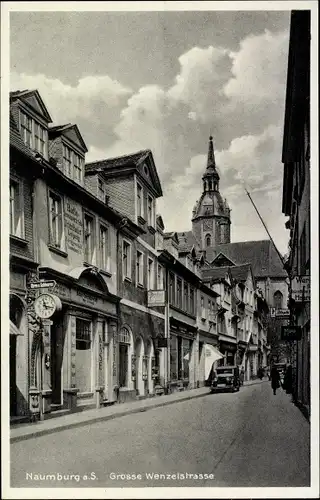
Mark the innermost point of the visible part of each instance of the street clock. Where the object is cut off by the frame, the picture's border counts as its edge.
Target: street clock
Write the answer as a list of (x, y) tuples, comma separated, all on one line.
[(46, 305)]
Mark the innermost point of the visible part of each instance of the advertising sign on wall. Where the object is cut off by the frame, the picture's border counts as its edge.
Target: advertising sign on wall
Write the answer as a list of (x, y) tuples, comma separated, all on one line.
[(73, 226)]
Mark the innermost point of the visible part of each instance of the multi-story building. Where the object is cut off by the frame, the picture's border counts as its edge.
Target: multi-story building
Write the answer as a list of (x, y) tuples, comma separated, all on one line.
[(73, 355), (131, 185), (24, 168), (296, 197)]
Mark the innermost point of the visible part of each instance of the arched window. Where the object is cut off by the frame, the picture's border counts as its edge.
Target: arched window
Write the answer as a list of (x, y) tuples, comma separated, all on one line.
[(124, 336), (208, 240), (278, 300), (210, 185)]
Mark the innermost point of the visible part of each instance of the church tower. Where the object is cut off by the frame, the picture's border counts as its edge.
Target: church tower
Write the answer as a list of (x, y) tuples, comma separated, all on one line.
[(211, 214)]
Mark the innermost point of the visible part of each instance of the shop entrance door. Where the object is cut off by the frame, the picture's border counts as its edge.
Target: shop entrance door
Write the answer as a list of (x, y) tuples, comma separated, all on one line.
[(13, 375), (56, 363)]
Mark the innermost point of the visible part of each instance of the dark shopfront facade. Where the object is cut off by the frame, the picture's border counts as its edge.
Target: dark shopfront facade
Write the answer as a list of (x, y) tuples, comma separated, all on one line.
[(183, 347)]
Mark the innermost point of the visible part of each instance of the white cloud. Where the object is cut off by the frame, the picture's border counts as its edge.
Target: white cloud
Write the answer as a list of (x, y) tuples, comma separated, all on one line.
[(259, 69), (66, 102)]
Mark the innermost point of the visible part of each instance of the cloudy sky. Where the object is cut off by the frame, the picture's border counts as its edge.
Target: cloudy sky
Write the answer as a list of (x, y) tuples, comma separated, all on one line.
[(165, 81)]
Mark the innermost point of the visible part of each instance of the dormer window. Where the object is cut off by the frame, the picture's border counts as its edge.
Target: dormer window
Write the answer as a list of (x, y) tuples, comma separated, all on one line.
[(101, 193), (150, 211), (72, 164), (139, 201), (34, 135)]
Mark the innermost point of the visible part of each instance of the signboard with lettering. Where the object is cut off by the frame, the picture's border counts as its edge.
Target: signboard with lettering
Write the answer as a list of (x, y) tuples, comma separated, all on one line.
[(282, 313), (73, 222), (156, 298), (290, 333), (42, 284), (301, 288)]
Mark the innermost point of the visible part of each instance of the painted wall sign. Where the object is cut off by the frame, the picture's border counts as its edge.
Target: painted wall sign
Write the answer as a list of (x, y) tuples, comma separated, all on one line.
[(73, 223), (156, 298)]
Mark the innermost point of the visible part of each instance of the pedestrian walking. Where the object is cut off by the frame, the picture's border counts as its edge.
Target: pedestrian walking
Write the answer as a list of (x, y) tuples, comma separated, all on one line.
[(241, 376), (275, 379)]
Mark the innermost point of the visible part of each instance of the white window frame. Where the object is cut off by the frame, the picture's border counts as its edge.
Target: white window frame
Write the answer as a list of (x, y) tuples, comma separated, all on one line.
[(77, 167), (150, 275), (141, 214), (67, 160), (16, 208), (91, 343), (127, 275), (54, 239), (150, 217), (27, 133), (92, 245), (140, 268), (104, 251), (160, 277)]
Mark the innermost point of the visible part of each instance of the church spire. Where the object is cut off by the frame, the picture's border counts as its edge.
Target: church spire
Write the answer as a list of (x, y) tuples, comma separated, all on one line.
[(211, 159)]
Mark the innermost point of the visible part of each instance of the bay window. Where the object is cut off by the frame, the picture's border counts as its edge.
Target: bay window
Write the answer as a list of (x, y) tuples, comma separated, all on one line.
[(160, 277)]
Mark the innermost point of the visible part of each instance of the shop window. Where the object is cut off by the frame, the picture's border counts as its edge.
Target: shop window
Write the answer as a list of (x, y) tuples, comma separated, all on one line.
[(88, 238), (83, 355), (139, 268), (278, 300), (186, 346), (173, 358), (55, 220), (150, 274), (126, 260), (16, 209)]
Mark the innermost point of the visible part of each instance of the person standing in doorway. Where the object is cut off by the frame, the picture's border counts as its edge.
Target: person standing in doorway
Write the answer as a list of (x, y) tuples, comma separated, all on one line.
[(275, 379)]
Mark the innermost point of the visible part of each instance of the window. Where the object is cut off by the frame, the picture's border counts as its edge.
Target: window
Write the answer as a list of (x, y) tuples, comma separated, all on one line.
[(203, 311), (77, 168), (124, 345), (83, 360), (88, 239), (16, 209), (277, 299), (40, 136), (139, 265), (191, 306), (67, 161), (150, 211), (179, 293), (26, 130), (126, 260), (186, 296), (55, 220), (160, 278), (139, 201), (208, 240), (171, 288), (104, 248), (150, 274), (186, 357), (101, 193)]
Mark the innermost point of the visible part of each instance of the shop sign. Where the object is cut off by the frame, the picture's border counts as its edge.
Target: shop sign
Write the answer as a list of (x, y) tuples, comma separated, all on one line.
[(156, 298), (73, 225), (35, 285), (279, 313), (300, 286), (290, 333)]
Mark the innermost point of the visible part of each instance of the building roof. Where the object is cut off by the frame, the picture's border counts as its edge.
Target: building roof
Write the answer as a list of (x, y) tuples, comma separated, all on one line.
[(214, 273), (240, 273), (119, 161), (71, 131), (33, 99), (261, 254), (187, 240)]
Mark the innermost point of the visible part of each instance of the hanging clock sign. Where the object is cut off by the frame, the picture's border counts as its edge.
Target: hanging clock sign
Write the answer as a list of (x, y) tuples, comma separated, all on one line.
[(46, 305)]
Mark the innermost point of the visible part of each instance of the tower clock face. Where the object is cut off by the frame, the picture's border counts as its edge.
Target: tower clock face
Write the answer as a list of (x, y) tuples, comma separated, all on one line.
[(45, 306), (207, 224)]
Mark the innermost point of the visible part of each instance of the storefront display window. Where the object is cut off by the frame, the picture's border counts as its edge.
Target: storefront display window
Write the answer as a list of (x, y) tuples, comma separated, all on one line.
[(83, 355)]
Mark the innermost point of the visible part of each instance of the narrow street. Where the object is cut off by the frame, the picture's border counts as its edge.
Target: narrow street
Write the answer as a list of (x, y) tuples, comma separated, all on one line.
[(247, 439)]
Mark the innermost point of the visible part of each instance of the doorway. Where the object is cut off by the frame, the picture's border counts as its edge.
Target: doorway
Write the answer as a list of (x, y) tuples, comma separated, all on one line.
[(13, 375), (56, 360)]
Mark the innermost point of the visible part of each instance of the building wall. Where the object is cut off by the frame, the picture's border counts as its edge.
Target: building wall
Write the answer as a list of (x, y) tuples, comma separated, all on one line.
[(121, 195)]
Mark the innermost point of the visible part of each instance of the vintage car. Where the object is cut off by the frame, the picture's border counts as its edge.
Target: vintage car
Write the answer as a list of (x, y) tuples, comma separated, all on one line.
[(226, 378)]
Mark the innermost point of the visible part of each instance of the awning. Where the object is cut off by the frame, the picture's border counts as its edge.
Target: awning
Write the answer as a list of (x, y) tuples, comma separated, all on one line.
[(14, 330), (212, 354)]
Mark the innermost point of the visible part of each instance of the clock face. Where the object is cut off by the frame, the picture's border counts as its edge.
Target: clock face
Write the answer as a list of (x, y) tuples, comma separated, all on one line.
[(45, 306)]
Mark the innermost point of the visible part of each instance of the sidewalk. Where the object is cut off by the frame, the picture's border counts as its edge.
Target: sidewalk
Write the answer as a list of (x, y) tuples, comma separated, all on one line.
[(52, 425)]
